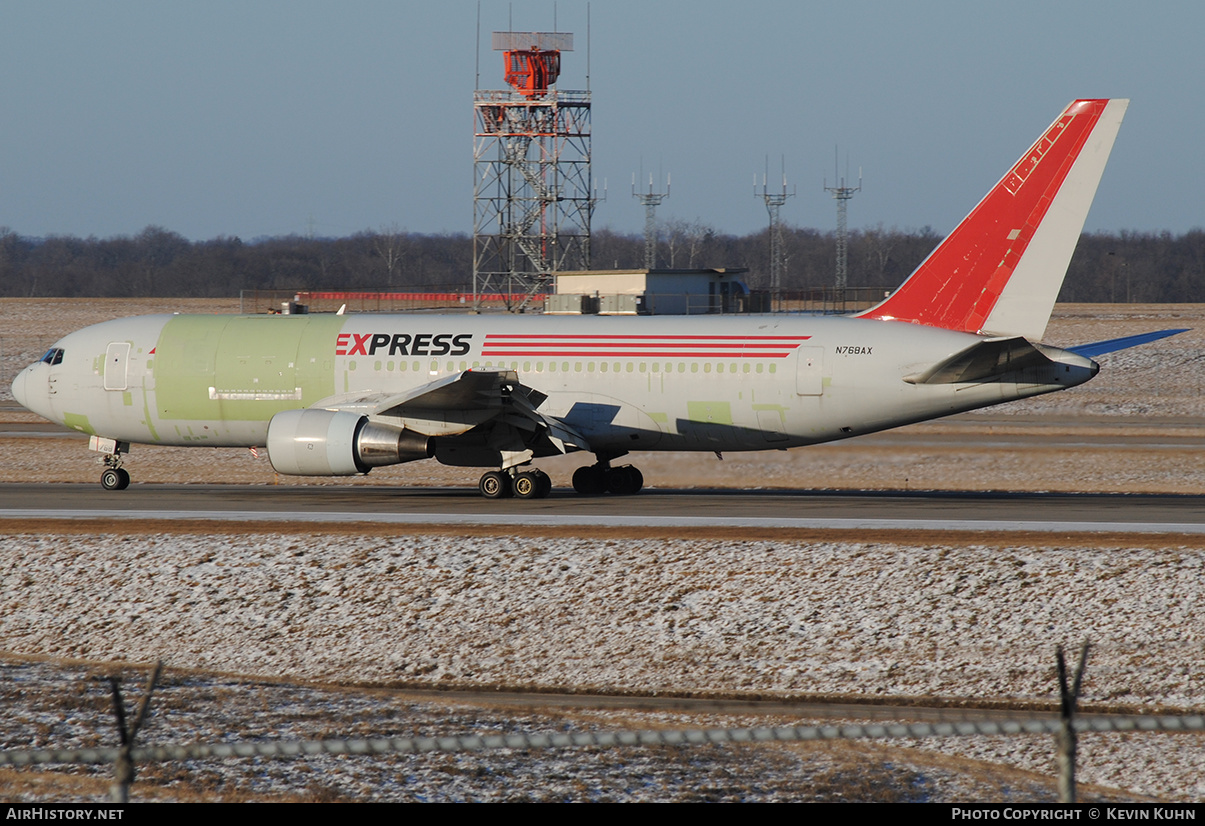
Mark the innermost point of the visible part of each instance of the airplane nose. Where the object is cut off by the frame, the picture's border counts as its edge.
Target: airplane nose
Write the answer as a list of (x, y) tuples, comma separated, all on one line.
[(19, 388)]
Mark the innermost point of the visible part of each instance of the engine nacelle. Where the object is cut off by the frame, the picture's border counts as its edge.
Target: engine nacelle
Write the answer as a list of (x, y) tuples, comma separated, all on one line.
[(337, 443)]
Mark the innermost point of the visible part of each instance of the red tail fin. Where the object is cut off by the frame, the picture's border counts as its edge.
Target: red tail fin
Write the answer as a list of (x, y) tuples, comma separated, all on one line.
[(1000, 270)]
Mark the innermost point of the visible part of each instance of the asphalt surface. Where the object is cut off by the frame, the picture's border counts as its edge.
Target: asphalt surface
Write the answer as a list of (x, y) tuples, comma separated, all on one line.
[(662, 507), (967, 428), (651, 508)]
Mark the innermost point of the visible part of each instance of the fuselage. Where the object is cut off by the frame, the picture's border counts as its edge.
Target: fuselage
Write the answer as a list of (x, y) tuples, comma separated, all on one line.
[(717, 383)]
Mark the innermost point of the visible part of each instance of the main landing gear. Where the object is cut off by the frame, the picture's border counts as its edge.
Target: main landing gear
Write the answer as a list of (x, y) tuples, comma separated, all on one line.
[(602, 478), (528, 484), (593, 479)]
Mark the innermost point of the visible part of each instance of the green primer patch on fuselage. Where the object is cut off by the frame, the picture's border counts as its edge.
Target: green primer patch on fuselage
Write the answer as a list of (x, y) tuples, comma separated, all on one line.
[(78, 421), (711, 412), (243, 368), (149, 419)]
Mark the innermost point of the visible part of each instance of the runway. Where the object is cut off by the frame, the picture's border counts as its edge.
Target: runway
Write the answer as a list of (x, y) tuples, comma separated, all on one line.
[(867, 510)]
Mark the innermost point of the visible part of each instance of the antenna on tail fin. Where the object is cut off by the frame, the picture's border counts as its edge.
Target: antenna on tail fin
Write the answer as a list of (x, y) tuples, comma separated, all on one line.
[(1000, 270)]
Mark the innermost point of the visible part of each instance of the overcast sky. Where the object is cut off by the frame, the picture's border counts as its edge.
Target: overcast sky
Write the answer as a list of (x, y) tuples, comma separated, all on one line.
[(255, 118)]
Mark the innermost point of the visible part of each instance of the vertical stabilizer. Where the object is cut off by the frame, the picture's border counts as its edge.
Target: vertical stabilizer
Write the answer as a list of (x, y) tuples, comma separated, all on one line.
[(1000, 270)]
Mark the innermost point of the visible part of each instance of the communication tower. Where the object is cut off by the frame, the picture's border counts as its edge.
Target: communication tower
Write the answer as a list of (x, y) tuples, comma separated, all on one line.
[(842, 194), (651, 201), (532, 198), (774, 202)]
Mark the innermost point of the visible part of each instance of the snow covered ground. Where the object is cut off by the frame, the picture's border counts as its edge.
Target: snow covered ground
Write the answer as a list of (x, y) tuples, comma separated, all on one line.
[(759, 617), (65, 706), (876, 619)]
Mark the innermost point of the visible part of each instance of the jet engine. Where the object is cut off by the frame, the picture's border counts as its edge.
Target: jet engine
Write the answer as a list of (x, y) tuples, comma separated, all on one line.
[(338, 443)]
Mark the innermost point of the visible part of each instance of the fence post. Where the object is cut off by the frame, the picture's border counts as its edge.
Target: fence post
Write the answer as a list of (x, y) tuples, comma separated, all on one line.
[(1065, 740), (123, 768)]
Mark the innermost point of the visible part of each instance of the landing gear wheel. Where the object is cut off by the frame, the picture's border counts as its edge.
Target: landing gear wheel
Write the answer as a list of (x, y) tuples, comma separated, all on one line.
[(115, 478), (624, 481), (527, 485), (590, 480), (495, 485), (532, 484)]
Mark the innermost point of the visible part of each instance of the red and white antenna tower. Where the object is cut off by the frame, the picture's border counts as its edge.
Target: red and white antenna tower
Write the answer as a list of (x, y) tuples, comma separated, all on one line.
[(532, 198)]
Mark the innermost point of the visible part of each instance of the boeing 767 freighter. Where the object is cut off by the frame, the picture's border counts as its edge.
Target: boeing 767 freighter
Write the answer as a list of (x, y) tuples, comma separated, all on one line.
[(332, 395)]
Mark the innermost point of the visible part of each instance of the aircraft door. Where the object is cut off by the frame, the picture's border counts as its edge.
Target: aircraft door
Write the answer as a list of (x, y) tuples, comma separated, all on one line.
[(117, 365), (809, 379)]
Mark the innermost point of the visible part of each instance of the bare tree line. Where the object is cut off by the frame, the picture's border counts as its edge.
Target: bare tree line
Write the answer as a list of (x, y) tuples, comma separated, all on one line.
[(1107, 267)]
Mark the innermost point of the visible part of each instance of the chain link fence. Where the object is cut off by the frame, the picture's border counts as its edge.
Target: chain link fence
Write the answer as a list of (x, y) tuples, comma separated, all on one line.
[(613, 739)]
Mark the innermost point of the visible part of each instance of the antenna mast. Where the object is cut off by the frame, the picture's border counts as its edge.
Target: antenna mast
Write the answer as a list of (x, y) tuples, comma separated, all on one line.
[(651, 201), (774, 202), (842, 194)]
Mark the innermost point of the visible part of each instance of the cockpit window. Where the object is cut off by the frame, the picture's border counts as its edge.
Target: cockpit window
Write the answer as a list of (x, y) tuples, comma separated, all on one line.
[(53, 356)]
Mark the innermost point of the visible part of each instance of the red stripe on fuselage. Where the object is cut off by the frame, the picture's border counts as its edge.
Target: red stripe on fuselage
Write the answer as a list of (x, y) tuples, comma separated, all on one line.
[(726, 354), (558, 336), (643, 346)]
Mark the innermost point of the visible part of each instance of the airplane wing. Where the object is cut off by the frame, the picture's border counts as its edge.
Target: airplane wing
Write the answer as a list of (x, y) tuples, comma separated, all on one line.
[(490, 404)]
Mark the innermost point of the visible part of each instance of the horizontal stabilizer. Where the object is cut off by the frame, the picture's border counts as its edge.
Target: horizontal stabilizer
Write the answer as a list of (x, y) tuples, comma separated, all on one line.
[(987, 359), (1099, 348)]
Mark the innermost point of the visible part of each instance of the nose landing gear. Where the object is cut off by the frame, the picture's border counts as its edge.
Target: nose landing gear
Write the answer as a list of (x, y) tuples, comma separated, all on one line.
[(114, 476)]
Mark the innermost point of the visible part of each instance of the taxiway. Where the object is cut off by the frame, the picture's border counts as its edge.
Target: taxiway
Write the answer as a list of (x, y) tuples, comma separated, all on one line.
[(869, 510)]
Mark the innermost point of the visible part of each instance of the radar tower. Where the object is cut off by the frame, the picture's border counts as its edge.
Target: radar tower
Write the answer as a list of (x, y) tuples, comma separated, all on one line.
[(532, 198)]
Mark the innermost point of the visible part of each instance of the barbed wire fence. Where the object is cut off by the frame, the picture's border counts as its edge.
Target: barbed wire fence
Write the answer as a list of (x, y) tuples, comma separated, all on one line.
[(1065, 728)]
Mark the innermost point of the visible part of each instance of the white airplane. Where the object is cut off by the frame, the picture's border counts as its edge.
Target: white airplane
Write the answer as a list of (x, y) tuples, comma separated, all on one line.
[(331, 395)]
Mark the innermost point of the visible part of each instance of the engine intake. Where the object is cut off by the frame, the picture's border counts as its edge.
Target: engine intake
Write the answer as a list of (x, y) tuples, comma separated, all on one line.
[(338, 443)]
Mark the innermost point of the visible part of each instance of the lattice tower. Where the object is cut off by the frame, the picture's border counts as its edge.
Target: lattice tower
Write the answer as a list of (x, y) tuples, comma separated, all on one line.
[(774, 202), (842, 194), (651, 201), (532, 199)]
